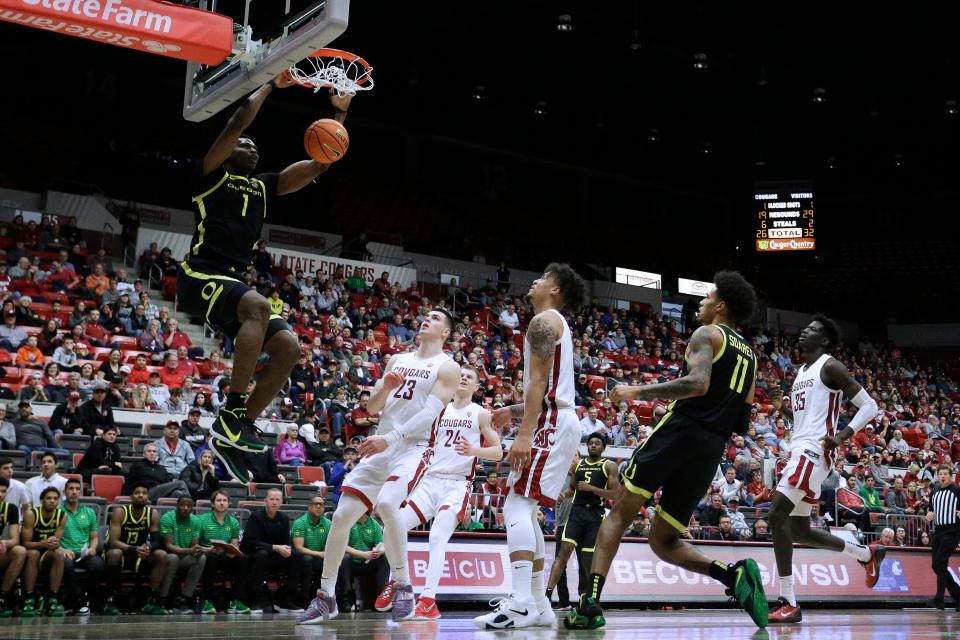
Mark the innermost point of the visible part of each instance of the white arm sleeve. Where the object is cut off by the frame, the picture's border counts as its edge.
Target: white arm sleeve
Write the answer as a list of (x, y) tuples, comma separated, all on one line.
[(419, 424), (866, 410)]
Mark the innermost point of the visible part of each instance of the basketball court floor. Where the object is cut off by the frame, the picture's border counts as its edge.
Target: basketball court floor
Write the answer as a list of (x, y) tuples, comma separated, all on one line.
[(621, 625)]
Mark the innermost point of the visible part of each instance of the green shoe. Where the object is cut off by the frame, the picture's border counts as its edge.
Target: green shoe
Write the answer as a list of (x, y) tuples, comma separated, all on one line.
[(238, 607), (109, 608), (179, 604), (54, 608), (233, 459), (29, 608), (232, 428), (208, 608), (748, 590), (152, 609), (586, 615), (6, 610)]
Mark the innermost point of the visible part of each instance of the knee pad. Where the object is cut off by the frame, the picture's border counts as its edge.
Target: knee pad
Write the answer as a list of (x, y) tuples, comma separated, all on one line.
[(519, 518)]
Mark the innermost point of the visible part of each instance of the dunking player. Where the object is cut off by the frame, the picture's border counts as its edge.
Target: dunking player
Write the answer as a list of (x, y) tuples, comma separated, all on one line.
[(593, 481), (231, 203), (815, 402), (412, 395), (541, 453), (682, 452), (464, 434)]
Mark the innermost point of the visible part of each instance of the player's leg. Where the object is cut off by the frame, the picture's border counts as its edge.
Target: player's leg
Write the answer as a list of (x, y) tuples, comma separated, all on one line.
[(391, 496), (444, 524), (114, 564), (283, 349), (560, 560), (52, 563), (412, 514), (586, 548), (253, 314), (353, 504), (519, 516), (781, 528)]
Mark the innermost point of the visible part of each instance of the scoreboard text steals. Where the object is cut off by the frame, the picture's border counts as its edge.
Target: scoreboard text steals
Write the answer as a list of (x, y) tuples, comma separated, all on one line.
[(785, 220)]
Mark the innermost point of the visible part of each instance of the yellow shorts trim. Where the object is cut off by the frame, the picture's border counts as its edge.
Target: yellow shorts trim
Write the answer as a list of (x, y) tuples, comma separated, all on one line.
[(632, 488), (671, 520), (569, 541)]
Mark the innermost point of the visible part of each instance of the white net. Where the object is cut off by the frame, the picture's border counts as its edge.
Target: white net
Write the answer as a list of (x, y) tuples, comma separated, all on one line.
[(343, 75)]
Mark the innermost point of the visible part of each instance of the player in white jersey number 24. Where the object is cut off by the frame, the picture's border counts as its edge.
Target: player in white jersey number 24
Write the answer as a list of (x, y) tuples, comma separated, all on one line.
[(814, 405), (410, 396), (463, 434), (541, 453)]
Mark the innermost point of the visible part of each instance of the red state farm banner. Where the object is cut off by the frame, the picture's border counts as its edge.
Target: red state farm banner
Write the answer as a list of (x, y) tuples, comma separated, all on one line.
[(145, 25), (476, 569)]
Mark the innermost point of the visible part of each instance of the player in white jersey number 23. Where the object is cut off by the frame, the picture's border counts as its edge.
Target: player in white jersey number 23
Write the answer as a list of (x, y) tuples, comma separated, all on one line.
[(464, 433)]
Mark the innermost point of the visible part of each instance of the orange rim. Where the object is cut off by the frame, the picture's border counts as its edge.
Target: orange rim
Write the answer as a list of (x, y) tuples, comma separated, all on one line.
[(346, 56)]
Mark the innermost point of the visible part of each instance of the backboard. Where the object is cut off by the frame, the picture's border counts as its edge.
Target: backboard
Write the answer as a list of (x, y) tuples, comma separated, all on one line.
[(270, 36)]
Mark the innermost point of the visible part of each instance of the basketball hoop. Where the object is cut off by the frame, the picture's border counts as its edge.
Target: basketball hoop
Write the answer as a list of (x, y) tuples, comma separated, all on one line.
[(344, 72)]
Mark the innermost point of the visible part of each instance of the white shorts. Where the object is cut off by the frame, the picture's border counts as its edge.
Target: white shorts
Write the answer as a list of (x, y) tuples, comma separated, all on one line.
[(367, 478), (555, 441), (436, 493), (802, 477)]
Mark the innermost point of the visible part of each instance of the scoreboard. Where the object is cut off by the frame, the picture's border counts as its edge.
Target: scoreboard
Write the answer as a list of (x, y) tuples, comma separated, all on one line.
[(784, 217)]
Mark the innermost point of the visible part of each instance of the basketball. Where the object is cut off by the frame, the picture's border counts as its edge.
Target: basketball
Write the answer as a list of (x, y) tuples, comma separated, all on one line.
[(326, 140)]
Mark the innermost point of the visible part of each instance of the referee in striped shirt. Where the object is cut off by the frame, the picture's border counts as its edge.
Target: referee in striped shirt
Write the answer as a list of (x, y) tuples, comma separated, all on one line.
[(945, 515)]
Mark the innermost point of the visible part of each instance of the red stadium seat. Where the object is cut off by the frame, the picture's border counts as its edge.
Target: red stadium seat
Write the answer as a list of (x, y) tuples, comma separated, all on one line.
[(309, 475), (107, 487)]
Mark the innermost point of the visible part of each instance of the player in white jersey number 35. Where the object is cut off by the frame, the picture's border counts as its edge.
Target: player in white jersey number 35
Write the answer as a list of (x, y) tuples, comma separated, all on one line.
[(410, 396), (544, 446), (463, 434), (814, 404)]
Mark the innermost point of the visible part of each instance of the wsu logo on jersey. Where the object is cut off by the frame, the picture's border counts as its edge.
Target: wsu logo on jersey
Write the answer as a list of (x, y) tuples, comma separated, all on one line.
[(544, 438), (428, 454)]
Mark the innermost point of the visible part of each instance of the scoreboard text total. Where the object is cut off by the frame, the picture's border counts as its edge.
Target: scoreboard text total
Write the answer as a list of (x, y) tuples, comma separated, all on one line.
[(785, 221)]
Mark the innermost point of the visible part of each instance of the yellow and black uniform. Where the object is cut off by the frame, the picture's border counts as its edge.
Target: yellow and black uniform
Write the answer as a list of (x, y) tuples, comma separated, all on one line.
[(9, 514), (134, 532), (682, 452), (43, 528), (586, 513), (229, 211)]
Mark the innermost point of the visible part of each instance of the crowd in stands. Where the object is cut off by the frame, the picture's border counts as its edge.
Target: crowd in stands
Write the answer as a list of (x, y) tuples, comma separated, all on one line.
[(80, 334)]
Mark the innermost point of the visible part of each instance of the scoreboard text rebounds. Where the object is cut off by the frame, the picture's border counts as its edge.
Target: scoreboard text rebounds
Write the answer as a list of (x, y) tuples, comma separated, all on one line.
[(785, 220)]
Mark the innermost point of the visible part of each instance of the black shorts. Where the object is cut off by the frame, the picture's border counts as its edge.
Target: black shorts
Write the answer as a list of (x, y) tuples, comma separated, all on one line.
[(582, 527), (681, 457), (207, 293)]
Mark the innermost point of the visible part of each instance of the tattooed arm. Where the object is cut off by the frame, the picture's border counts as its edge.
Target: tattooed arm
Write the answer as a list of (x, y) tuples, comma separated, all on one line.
[(704, 343), (542, 335)]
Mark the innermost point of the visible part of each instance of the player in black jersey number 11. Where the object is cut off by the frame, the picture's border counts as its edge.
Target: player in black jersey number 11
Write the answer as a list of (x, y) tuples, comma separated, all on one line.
[(231, 203)]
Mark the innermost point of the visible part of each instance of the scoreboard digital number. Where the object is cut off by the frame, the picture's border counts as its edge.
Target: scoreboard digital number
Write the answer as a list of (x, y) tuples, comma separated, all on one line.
[(785, 218)]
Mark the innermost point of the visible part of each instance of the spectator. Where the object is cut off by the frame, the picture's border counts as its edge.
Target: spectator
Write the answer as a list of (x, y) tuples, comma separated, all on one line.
[(898, 443), (94, 332), (181, 535), (29, 355), (174, 338), (737, 519), (895, 498), (761, 532), (150, 340), (291, 450), (640, 527), (140, 398), (174, 454), (364, 557), (139, 374), (65, 356), (34, 435), (102, 457), (79, 548), (590, 423), (887, 537), (724, 531), (324, 453), (65, 416), (711, 514), (33, 391), (582, 391), (170, 374), (95, 414), (8, 435), (192, 432), (359, 375), (817, 521), (302, 380), (219, 526), (309, 534), (159, 392), (97, 281), (11, 336), (729, 486), (267, 546), (871, 498), (149, 473), (16, 491), (361, 419), (48, 478), (110, 368), (200, 476), (509, 320), (340, 470), (262, 467), (758, 490), (900, 538)]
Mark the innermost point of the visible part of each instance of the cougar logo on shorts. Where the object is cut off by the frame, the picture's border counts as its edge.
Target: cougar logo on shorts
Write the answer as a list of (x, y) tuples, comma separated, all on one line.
[(811, 454), (544, 438)]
